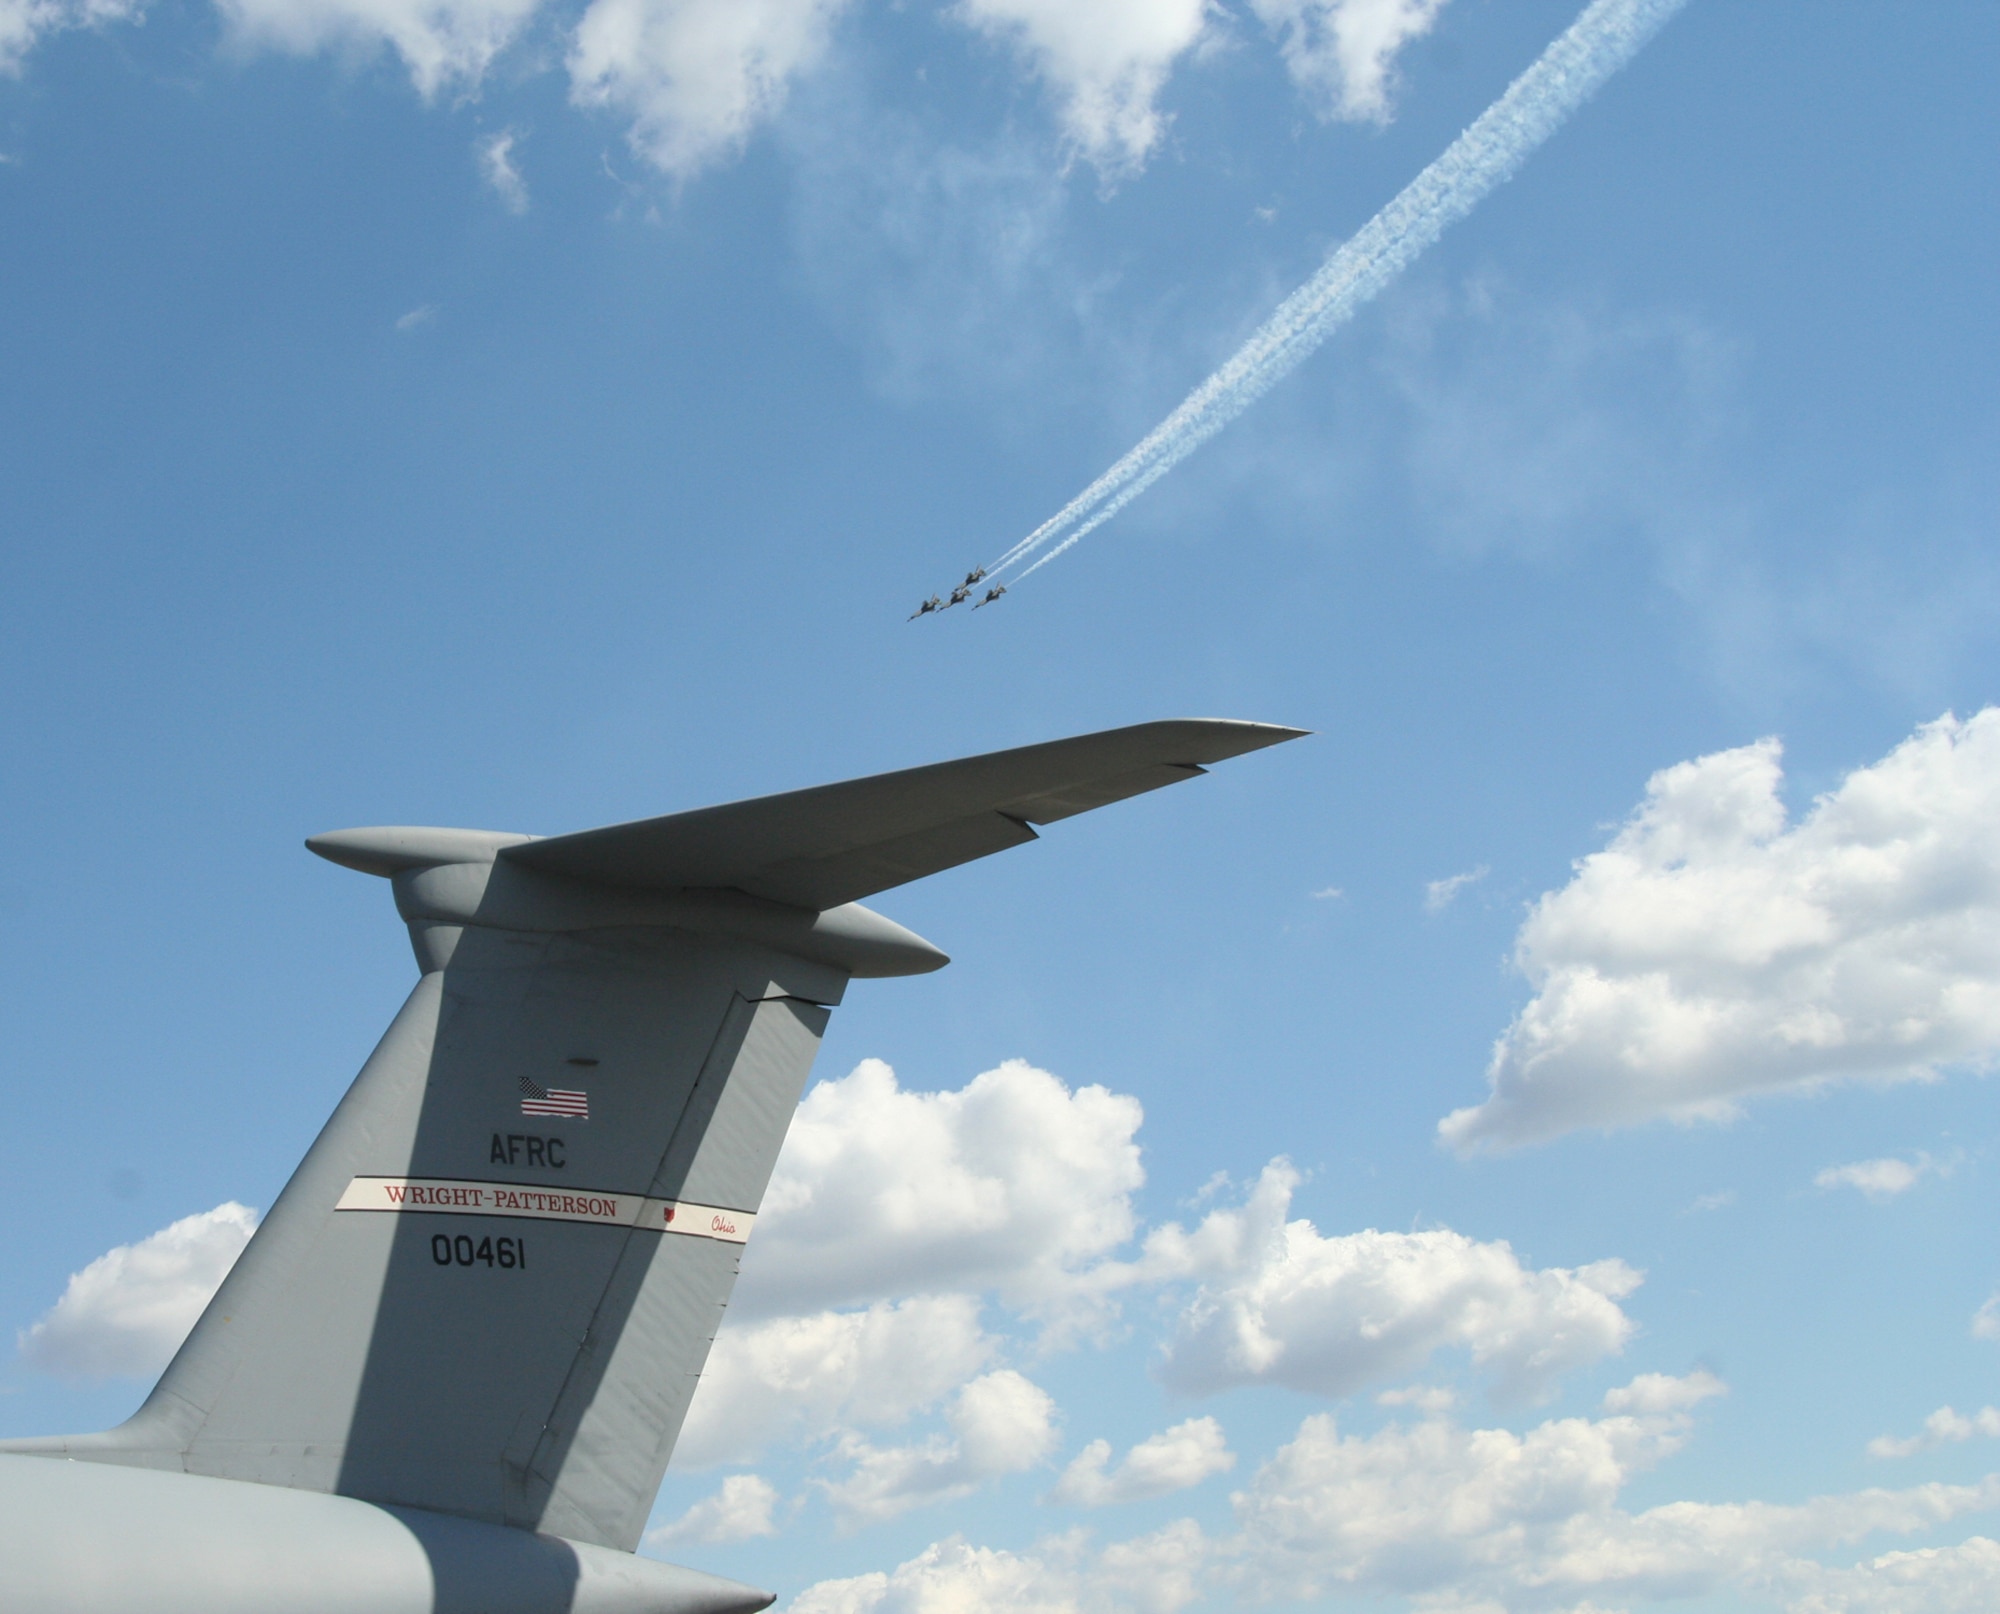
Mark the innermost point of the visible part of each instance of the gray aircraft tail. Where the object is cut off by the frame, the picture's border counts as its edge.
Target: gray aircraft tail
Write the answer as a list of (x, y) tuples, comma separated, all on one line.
[(490, 1287)]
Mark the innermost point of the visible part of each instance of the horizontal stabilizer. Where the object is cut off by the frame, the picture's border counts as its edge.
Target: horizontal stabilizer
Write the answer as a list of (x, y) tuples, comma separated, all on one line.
[(490, 1288), (835, 844)]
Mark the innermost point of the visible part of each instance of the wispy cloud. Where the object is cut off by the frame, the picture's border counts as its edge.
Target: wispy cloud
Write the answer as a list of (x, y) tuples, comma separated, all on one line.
[(1509, 423), (496, 167), (423, 314), (1440, 894), (443, 43), (1881, 1179), (956, 266)]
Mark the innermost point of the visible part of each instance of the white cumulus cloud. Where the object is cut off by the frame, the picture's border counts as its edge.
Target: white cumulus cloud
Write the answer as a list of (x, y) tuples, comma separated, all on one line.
[(23, 22), (894, 1217), (890, 1215), (1491, 1518), (1279, 1302), (1716, 949), (1471, 1520), (805, 1378), (695, 77), (1105, 61), (739, 1511), (1942, 1427), (1653, 1395), (1343, 52), (1000, 1423), (1964, 1579), (1434, 1399), (128, 1311), (1164, 1463), (1014, 1184), (1153, 1574), (1419, 1507)]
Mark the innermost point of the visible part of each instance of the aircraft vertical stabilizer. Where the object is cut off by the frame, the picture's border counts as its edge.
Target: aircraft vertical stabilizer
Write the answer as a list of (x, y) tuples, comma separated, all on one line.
[(490, 1287)]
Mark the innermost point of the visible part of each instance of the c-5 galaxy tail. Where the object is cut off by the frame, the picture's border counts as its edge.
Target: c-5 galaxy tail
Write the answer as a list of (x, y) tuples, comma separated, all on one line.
[(490, 1287)]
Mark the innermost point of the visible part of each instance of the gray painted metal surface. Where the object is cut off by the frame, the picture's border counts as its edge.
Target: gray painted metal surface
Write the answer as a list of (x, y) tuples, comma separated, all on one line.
[(411, 1356), (835, 844), (86, 1538), (475, 1317)]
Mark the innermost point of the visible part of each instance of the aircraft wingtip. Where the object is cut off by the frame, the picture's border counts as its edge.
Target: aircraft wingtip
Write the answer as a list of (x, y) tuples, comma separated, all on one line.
[(1257, 733)]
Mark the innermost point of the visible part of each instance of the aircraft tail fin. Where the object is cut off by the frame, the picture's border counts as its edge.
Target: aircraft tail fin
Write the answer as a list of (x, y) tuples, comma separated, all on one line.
[(490, 1287)]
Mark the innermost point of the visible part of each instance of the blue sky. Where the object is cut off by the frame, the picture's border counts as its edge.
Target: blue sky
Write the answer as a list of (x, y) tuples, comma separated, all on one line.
[(535, 417)]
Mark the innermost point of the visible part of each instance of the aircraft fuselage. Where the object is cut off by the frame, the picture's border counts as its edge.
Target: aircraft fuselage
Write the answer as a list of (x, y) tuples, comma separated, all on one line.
[(98, 1538)]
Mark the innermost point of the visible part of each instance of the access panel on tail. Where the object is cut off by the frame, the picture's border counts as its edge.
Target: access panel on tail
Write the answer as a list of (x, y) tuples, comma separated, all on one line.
[(489, 1289)]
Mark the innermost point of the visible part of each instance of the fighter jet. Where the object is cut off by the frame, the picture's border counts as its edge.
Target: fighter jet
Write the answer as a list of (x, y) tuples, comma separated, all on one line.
[(449, 1369), (974, 576), (959, 595), (929, 605), (992, 594)]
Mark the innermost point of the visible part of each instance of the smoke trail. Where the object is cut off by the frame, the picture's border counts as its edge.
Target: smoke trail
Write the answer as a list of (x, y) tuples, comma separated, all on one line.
[(1603, 39)]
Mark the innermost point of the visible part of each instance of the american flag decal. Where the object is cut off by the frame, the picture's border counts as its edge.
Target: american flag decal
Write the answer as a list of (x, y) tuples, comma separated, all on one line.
[(539, 1100)]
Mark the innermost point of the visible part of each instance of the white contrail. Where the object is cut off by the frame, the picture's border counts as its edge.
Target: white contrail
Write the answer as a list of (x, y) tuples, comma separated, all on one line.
[(1596, 45)]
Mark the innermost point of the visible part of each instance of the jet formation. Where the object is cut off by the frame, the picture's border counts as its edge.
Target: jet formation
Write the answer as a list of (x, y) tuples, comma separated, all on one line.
[(959, 595)]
